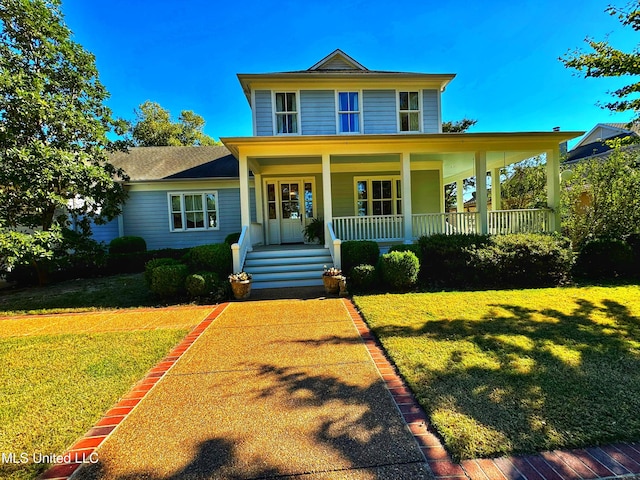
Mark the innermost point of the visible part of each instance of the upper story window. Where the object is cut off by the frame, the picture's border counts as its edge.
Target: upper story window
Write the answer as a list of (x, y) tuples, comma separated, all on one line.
[(348, 112), (286, 113), (409, 111), (193, 211)]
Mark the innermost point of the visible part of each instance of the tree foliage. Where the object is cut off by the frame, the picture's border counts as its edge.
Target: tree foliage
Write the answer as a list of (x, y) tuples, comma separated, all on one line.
[(450, 190), (53, 126), (606, 61), (524, 185), (601, 197), (153, 127)]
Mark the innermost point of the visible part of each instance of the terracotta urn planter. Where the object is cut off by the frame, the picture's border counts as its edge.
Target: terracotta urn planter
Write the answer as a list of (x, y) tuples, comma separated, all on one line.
[(240, 285), (331, 283)]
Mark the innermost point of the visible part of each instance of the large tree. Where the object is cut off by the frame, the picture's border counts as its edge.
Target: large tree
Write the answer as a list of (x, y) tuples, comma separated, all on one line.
[(601, 197), (53, 126), (153, 127), (603, 60), (524, 185)]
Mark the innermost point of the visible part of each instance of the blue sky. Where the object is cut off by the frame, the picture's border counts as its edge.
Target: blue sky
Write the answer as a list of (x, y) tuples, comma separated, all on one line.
[(185, 54)]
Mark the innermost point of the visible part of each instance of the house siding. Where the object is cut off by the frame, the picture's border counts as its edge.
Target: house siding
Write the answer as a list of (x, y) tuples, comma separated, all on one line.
[(318, 112), (425, 191), (106, 232), (430, 111), (146, 214), (379, 111), (263, 113)]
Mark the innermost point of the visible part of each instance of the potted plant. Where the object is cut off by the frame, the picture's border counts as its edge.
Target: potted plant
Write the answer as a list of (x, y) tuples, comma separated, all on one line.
[(241, 285), (331, 278), (314, 231)]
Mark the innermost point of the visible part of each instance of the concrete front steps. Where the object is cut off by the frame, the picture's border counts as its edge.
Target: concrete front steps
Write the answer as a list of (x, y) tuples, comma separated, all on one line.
[(287, 267)]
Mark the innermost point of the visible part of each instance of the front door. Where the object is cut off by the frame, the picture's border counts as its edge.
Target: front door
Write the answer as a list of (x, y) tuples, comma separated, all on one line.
[(291, 212)]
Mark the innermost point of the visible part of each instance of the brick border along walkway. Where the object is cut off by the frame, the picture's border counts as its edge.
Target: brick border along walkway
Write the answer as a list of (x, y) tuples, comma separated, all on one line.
[(618, 460), (85, 446)]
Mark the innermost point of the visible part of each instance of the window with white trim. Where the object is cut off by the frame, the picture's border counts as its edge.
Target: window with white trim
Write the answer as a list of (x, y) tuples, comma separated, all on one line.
[(348, 112), (409, 111), (193, 211), (378, 196), (286, 113)]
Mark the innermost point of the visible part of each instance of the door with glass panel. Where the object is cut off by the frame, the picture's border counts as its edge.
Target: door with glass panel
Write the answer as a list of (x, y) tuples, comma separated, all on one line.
[(289, 208)]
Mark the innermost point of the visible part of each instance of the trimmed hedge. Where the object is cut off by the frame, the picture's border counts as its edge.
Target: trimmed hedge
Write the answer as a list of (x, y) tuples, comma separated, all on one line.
[(232, 238), (605, 258), (213, 258), (151, 265), (445, 259), (522, 260), (128, 244), (400, 269), (363, 278), (359, 252), (200, 284), (168, 281)]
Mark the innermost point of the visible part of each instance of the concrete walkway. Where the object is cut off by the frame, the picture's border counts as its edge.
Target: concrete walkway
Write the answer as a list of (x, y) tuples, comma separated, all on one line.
[(269, 389)]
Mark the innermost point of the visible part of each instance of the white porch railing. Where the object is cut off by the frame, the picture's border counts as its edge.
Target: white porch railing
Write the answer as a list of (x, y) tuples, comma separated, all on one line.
[(519, 221), (381, 228), (389, 228), (334, 245), (449, 223), (239, 250)]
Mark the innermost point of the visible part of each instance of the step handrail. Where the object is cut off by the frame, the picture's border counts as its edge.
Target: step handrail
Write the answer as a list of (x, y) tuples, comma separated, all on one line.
[(239, 249), (334, 246)]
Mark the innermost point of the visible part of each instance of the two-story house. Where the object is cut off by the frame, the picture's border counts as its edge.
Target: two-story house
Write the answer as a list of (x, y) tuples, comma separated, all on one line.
[(361, 149)]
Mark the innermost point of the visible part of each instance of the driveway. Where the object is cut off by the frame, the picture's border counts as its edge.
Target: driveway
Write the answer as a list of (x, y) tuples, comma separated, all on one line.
[(270, 389)]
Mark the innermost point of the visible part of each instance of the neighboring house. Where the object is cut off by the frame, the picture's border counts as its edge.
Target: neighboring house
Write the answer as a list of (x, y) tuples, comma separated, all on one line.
[(594, 143), (361, 149)]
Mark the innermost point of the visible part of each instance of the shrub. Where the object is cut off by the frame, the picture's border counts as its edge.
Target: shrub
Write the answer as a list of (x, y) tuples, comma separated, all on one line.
[(414, 247), (400, 269), (521, 260), (605, 258), (359, 252), (200, 284), (168, 281), (232, 238), (363, 278), (127, 245), (151, 265), (213, 258), (445, 259), (633, 241)]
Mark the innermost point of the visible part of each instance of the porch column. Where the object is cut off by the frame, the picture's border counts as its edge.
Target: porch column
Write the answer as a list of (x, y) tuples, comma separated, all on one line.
[(496, 190), (481, 191), (326, 194), (553, 187), (460, 195), (257, 179), (245, 212), (405, 169)]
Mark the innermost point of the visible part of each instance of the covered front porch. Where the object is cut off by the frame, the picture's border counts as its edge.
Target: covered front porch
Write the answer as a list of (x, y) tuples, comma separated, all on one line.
[(386, 188)]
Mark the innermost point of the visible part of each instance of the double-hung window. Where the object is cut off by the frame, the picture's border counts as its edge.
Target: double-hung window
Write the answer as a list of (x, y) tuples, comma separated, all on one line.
[(193, 211), (378, 196), (286, 113), (348, 112), (409, 111)]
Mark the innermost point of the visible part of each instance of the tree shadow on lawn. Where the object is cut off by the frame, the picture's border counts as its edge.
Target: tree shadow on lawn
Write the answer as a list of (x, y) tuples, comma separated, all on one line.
[(522, 380)]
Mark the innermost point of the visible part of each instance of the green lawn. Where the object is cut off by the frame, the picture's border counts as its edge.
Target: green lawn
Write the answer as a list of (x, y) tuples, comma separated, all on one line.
[(503, 372), (60, 373), (119, 291)]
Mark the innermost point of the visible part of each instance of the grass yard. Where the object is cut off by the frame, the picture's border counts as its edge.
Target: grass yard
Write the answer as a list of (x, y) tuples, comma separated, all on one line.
[(118, 291), (60, 373), (502, 372)]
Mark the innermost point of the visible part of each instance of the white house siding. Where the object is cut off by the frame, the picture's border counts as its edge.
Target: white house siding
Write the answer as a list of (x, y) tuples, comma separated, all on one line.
[(146, 214), (380, 113), (430, 111), (318, 112), (263, 113)]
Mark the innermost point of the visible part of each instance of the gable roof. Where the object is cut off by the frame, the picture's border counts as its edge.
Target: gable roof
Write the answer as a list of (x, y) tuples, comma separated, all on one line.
[(167, 163), (604, 131), (337, 60)]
